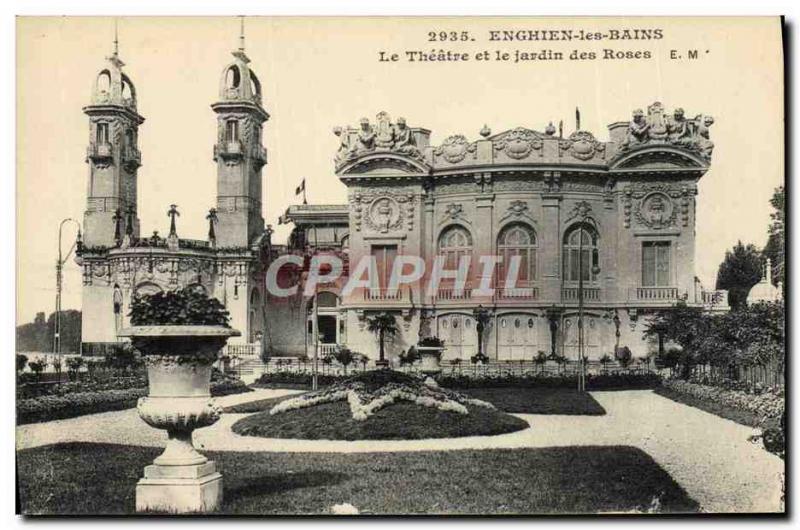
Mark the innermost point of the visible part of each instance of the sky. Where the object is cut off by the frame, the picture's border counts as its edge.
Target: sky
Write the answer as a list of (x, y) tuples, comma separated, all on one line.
[(318, 73)]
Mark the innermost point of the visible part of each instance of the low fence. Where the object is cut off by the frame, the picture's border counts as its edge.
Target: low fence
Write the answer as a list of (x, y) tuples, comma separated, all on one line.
[(455, 367), (767, 374)]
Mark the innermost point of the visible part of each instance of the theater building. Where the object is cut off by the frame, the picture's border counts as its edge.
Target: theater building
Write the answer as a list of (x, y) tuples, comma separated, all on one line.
[(606, 218)]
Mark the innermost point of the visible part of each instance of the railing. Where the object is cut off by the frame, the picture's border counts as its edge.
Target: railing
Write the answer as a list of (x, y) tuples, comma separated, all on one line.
[(243, 350), (571, 293), (383, 295), (327, 349), (451, 293), (717, 298), (228, 149), (99, 151), (517, 293), (132, 156), (654, 293)]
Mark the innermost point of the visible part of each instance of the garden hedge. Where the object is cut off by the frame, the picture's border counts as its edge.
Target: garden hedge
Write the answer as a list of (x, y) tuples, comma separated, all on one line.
[(69, 405)]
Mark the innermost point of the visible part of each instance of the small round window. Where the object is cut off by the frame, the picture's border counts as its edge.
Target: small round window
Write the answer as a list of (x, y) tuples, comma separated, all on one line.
[(444, 323), (530, 323), (455, 322), (503, 323), (516, 323), (467, 323)]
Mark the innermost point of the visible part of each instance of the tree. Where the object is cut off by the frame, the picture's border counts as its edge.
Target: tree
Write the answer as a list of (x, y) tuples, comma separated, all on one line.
[(686, 326), (22, 361), (37, 367), (775, 248), (739, 272), (382, 325), (74, 365), (345, 357)]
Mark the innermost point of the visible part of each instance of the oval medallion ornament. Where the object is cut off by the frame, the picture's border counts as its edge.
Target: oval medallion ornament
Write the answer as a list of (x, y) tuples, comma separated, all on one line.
[(656, 211), (454, 148), (518, 143)]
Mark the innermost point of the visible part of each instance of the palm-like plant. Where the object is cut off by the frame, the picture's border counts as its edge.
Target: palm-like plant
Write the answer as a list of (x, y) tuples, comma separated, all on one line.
[(382, 324)]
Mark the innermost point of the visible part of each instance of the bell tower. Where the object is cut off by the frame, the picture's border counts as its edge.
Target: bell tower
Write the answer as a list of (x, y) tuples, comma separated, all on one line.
[(239, 154), (113, 157)]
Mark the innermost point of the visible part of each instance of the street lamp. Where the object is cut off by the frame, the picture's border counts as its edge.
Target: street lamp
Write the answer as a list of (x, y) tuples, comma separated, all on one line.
[(59, 267), (595, 270)]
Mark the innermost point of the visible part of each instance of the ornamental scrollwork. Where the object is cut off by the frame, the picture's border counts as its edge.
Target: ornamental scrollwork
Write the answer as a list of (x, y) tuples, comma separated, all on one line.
[(454, 149), (518, 143), (582, 145)]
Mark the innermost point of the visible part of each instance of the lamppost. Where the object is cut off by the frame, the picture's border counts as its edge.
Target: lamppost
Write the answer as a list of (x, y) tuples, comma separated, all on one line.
[(595, 269), (482, 318), (59, 282)]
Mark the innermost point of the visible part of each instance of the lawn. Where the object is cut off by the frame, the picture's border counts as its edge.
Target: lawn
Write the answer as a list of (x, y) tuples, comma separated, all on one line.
[(400, 421), (507, 399), (81, 478), (539, 400)]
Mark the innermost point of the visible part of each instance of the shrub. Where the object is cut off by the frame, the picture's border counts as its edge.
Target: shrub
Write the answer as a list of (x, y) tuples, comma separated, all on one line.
[(22, 361), (479, 358), (540, 358), (181, 307), (624, 356), (37, 367), (409, 357), (431, 342), (73, 366)]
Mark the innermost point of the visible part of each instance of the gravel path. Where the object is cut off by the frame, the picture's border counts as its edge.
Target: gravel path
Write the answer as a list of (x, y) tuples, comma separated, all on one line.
[(707, 455)]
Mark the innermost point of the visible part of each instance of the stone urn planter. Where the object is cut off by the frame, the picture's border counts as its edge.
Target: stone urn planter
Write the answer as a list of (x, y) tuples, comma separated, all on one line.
[(179, 361), (430, 357)]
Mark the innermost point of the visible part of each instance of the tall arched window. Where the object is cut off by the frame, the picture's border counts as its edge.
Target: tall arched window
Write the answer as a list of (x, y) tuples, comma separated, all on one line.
[(454, 242), (518, 240), (581, 238), (232, 77)]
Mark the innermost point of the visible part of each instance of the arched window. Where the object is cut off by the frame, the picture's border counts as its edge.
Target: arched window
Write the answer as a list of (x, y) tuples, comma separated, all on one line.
[(255, 84), (104, 82), (327, 299), (518, 240), (581, 253), (454, 242), (232, 77)]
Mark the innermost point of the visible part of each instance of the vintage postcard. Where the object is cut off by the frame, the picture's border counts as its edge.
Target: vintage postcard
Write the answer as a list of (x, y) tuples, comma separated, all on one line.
[(400, 266)]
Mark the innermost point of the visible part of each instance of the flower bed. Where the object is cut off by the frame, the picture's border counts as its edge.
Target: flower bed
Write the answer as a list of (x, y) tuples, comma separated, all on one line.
[(369, 392), (72, 404), (764, 402), (608, 381)]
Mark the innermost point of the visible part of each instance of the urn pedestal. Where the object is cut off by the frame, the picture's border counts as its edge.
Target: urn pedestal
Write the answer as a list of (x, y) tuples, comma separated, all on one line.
[(179, 360)]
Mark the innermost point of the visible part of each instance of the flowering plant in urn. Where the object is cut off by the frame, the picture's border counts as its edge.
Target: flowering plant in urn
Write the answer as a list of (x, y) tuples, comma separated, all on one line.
[(430, 351), (179, 334)]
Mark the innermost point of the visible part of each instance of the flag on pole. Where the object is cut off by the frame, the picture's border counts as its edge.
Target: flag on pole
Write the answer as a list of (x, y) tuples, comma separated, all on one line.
[(301, 189), (577, 119)]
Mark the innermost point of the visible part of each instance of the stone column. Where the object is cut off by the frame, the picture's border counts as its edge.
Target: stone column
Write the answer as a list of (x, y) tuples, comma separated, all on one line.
[(550, 247), (483, 232)]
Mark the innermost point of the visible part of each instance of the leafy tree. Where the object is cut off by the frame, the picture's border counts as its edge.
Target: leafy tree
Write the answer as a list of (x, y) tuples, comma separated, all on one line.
[(382, 325), (686, 326), (739, 272), (345, 357), (37, 367), (74, 365), (22, 361), (775, 248), (37, 336)]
